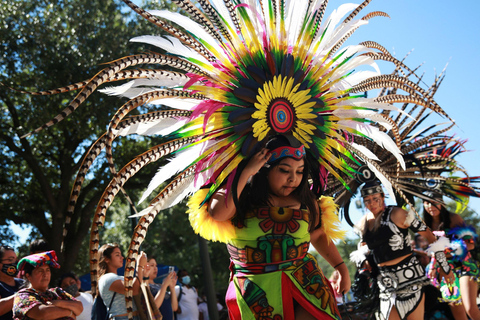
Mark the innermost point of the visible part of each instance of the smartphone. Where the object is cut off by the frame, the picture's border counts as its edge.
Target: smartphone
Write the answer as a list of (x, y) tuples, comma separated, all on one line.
[(171, 269)]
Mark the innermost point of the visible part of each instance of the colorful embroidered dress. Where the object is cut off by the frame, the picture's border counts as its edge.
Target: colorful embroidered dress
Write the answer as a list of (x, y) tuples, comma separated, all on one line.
[(269, 262), (28, 298), (271, 268)]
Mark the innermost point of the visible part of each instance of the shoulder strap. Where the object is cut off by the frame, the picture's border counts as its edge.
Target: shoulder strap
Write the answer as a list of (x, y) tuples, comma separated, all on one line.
[(110, 305), (180, 293)]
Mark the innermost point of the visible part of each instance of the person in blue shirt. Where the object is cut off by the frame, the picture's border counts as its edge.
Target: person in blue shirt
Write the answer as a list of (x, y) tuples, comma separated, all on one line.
[(165, 300)]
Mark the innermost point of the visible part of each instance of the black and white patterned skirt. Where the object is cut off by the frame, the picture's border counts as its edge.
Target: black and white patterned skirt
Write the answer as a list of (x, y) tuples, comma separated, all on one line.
[(401, 285)]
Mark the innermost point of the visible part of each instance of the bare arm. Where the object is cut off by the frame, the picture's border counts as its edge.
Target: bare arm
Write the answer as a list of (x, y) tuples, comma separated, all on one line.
[(6, 304), (160, 296), (118, 286), (174, 299), (329, 252), (401, 216), (456, 220), (221, 206)]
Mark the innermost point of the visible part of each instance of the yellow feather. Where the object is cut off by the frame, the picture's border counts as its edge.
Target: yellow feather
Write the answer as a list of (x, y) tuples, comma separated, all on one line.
[(203, 224), (330, 221)]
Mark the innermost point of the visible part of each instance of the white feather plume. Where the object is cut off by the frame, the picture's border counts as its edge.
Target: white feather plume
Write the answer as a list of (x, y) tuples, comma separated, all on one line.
[(176, 164), (365, 151), (359, 256), (171, 45), (441, 244), (175, 103), (383, 180), (157, 127), (182, 190), (328, 29), (366, 114), (381, 138), (295, 16), (192, 27)]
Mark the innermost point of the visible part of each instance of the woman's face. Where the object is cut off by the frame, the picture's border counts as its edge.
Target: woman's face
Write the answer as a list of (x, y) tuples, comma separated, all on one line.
[(116, 259), (432, 208), (67, 281), (9, 257), (40, 278), (285, 177), (375, 203), (152, 264)]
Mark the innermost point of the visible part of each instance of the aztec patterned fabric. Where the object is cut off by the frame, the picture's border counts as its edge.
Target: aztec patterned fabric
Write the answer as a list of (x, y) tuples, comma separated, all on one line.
[(270, 264), (28, 298), (271, 268), (401, 285), (389, 241)]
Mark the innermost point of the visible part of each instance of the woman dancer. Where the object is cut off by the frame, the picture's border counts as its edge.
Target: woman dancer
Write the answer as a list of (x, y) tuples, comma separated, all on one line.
[(401, 277), (438, 218), (272, 225)]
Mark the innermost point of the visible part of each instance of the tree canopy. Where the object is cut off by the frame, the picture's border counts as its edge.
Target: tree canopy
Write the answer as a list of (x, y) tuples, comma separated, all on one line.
[(45, 45)]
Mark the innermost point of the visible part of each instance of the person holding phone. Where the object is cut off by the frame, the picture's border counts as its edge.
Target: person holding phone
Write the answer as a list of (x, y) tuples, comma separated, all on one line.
[(166, 300)]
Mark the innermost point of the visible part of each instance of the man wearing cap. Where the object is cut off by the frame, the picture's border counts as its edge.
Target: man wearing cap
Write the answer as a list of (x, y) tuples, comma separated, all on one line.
[(401, 277), (37, 301)]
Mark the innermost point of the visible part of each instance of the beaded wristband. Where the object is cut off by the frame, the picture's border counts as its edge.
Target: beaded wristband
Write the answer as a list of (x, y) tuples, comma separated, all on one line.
[(442, 261)]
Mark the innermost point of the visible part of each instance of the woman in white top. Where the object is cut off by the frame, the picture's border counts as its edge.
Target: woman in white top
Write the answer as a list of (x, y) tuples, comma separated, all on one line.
[(111, 259)]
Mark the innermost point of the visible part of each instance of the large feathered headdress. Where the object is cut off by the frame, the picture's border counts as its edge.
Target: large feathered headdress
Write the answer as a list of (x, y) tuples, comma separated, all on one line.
[(431, 170), (246, 70)]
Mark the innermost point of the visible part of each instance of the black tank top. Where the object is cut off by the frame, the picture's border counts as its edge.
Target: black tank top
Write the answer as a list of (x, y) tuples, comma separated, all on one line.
[(389, 241)]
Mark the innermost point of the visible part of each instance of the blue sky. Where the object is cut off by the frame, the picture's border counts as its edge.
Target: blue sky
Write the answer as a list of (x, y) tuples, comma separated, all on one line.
[(438, 32)]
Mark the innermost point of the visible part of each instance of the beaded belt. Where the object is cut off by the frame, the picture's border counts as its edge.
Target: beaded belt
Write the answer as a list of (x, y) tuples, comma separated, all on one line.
[(259, 268)]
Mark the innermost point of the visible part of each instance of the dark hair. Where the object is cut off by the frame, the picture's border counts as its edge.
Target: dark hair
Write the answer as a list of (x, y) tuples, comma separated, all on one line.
[(39, 245), (445, 220), (4, 248), (104, 252), (67, 275), (181, 272), (255, 194)]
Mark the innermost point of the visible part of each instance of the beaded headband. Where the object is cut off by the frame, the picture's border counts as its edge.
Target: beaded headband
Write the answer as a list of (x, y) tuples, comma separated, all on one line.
[(282, 152), (371, 190)]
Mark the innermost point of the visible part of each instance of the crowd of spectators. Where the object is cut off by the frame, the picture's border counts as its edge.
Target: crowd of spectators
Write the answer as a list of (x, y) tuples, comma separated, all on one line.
[(26, 290)]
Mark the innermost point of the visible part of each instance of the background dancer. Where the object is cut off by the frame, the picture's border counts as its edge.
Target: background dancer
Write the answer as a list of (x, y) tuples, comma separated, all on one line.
[(401, 276), (438, 218)]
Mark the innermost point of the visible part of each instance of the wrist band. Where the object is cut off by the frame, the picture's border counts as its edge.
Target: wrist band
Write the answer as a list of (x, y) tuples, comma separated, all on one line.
[(146, 278), (339, 264), (442, 261)]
